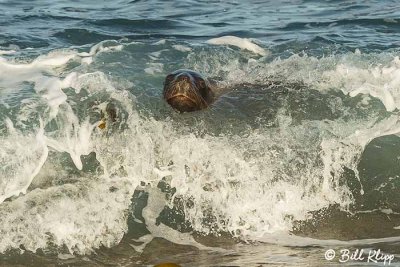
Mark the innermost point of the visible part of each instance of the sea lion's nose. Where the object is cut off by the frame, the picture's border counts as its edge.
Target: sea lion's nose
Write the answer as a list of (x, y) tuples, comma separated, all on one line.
[(183, 78)]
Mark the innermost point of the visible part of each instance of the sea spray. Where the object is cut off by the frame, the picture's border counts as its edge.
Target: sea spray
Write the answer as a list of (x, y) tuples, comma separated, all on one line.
[(250, 183)]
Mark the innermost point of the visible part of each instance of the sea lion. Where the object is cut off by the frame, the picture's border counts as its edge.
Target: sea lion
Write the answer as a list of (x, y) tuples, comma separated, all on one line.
[(186, 91)]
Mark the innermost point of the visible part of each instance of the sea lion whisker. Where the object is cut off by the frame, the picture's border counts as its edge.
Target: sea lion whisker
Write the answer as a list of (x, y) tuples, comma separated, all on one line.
[(182, 95)]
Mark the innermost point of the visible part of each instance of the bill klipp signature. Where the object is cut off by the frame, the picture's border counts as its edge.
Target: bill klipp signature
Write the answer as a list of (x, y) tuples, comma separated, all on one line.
[(367, 255)]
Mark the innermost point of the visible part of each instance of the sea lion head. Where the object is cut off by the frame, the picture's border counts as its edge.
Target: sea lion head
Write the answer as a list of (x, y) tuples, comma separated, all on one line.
[(187, 90)]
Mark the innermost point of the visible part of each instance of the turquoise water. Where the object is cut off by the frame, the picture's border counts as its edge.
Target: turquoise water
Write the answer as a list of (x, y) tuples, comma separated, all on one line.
[(300, 153)]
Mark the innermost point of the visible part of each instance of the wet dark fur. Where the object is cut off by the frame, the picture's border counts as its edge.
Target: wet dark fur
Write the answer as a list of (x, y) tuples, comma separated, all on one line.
[(187, 90)]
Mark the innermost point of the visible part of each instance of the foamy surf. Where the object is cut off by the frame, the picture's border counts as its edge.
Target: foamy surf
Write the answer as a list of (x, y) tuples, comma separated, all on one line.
[(50, 88), (298, 157), (242, 43), (249, 184)]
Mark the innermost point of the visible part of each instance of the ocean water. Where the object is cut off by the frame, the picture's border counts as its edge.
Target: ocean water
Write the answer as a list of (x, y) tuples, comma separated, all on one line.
[(301, 154)]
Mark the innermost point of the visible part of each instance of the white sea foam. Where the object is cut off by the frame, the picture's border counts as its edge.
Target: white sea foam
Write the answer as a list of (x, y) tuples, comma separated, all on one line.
[(250, 186), (7, 52), (242, 43), (80, 216), (76, 136), (21, 157), (76, 141), (155, 205), (255, 195), (381, 81), (154, 68), (103, 46), (182, 48), (161, 42)]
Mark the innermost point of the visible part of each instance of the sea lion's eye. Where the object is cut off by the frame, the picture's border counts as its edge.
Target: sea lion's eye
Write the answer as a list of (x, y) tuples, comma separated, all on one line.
[(201, 83)]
